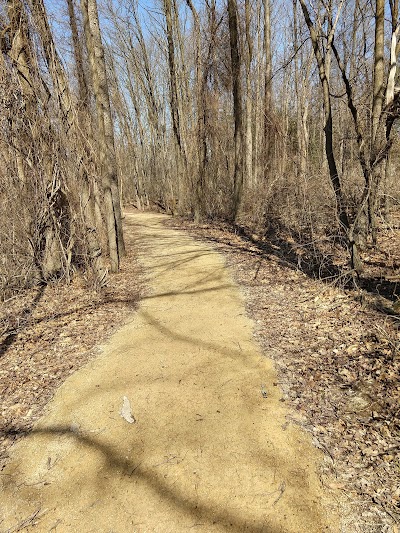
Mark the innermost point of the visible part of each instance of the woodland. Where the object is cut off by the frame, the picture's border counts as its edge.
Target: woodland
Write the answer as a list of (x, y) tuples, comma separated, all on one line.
[(270, 128), (278, 118)]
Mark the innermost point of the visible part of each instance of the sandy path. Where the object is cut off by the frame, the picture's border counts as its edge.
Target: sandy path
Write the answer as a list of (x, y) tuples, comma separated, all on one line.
[(207, 452)]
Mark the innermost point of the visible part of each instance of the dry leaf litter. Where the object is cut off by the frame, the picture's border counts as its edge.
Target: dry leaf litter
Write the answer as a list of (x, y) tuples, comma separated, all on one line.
[(338, 361), (46, 334), (337, 358)]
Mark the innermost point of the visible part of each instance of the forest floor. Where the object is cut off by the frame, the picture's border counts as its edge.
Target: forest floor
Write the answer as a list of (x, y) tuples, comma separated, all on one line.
[(336, 352), (336, 349), (176, 425)]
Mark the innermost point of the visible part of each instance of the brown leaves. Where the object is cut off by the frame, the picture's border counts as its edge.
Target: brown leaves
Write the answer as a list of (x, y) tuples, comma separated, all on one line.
[(53, 340), (339, 367)]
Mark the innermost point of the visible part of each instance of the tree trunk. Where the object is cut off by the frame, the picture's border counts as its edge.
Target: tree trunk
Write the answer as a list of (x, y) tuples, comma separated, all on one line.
[(199, 210), (248, 55), (379, 66), (181, 160), (173, 75), (237, 107), (377, 126), (328, 127), (20, 56), (268, 129), (78, 55), (108, 161), (323, 63), (301, 83), (92, 216)]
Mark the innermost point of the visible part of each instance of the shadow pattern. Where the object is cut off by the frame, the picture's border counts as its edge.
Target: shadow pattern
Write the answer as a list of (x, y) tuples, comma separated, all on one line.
[(313, 259), (12, 334), (202, 513)]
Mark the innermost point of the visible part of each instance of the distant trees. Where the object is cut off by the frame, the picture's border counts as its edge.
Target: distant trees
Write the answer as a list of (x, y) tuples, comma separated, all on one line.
[(277, 115), (236, 76), (244, 115)]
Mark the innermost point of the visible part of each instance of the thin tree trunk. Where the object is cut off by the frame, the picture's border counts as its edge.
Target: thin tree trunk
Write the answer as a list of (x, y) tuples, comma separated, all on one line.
[(257, 107), (78, 54), (19, 54), (377, 104), (268, 130), (390, 95), (173, 75), (328, 127), (57, 72), (248, 55), (237, 106), (379, 66), (181, 156), (302, 147), (199, 192)]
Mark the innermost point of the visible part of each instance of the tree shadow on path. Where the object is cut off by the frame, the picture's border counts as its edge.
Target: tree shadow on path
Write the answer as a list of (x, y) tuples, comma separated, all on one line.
[(201, 512)]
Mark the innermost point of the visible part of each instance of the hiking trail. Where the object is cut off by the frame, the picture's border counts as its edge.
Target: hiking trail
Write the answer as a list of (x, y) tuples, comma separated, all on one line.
[(177, 426)]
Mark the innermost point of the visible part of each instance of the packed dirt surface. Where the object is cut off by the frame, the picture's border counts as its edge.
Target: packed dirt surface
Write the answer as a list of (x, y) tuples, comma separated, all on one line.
[(336, 351), (176, 426)]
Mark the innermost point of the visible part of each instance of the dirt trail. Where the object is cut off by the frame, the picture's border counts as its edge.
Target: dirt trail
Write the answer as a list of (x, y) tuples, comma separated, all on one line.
[(208, 452)]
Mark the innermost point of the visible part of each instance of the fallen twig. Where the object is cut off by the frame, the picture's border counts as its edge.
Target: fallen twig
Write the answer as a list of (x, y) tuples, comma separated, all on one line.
[(26, 521), (281, 489)]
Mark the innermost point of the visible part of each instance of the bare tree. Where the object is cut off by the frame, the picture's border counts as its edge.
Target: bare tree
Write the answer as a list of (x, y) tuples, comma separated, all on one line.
[(268, 116), (48, 148), (201, 149), (107, 157), (237, 106), (373, 139)]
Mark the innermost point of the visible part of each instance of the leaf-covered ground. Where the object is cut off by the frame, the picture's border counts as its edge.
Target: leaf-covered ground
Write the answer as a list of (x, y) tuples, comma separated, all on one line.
[(46, 334), (338, 356), (337, 352)]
